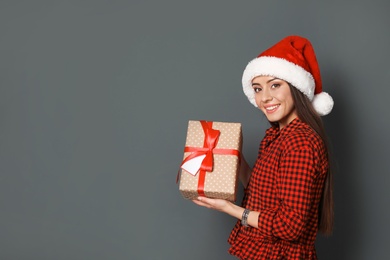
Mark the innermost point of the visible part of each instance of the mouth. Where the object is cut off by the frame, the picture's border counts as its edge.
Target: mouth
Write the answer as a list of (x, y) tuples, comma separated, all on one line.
[(271, 109)]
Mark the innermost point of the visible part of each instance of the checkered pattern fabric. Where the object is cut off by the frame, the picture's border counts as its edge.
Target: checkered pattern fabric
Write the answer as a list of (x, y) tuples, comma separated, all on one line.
[(285, 187)]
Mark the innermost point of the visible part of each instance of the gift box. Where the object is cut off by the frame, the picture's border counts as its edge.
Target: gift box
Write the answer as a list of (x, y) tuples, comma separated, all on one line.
[(211, 160)]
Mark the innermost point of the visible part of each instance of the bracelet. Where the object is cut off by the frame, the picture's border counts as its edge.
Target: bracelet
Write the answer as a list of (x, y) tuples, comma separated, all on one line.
[(244, 219)]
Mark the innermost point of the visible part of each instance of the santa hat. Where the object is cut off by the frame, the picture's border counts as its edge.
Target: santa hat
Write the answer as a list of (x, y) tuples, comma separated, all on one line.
[(293, 60)]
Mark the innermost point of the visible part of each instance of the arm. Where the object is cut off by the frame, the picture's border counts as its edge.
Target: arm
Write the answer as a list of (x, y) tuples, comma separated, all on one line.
[(295, 184), (295, 191), (229, 207)]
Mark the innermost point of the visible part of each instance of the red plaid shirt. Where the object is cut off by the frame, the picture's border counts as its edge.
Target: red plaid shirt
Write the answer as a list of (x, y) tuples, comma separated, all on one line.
[(285, 187)]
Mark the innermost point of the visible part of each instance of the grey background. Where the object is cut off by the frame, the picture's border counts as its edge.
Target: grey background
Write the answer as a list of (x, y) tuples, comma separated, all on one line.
[(94, 102)]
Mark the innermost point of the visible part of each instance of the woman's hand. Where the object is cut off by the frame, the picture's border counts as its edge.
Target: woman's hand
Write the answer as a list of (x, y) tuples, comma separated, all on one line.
[(217, 204), (228, 208)]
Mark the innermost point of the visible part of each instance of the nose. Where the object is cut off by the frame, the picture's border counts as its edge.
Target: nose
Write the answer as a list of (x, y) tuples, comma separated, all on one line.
[(266, 95)]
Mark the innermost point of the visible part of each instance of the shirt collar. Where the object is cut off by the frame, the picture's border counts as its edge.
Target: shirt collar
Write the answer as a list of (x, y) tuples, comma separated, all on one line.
[(274, 131)]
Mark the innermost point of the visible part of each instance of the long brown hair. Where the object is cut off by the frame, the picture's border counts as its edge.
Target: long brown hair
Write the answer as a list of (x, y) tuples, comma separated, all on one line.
[(308, 115)]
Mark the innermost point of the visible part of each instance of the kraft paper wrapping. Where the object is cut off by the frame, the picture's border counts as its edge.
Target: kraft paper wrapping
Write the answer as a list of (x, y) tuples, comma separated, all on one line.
[(222, 182)]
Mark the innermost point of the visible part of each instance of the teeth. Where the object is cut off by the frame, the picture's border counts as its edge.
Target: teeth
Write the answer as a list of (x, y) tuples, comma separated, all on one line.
[(271, 108)]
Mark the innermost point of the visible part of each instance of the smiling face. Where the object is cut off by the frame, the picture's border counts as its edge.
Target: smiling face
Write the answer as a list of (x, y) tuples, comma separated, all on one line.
[(273, 97)]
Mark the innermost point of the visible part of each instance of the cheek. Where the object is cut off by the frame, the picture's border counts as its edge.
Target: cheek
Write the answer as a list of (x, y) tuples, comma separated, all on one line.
[(290, 100), (259, 105), (257, 100)]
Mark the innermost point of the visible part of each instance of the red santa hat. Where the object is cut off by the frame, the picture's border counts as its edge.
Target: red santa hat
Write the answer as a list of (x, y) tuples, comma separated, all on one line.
[(293, 60)]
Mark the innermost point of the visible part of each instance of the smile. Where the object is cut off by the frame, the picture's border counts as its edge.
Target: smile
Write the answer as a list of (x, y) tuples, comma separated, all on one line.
[(271, 108)]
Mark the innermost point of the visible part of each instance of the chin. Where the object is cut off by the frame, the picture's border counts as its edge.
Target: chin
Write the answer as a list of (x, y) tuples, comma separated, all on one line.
[(273, 119)]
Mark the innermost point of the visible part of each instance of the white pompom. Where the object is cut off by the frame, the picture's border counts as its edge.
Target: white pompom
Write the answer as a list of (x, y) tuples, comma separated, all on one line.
[(322, 103)]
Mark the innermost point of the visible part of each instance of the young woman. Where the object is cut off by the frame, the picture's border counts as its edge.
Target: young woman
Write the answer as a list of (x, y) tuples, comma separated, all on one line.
[(288, 193)]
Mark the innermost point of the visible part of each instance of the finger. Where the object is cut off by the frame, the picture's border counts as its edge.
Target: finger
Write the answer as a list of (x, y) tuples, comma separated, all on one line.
[(203, 204), (206, 200)]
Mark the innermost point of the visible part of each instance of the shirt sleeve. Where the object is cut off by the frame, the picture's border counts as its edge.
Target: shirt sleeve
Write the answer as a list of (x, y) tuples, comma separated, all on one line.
[(294, 192)]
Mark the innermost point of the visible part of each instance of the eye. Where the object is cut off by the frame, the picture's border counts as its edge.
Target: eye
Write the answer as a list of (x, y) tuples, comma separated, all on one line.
[(275, 85), (257, 89)]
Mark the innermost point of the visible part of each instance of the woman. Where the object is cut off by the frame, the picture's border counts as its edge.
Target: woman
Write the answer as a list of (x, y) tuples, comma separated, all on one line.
[(288, 193)]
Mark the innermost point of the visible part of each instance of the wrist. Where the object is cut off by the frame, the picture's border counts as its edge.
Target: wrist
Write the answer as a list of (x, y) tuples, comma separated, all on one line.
[(244, 217), (234, 210)]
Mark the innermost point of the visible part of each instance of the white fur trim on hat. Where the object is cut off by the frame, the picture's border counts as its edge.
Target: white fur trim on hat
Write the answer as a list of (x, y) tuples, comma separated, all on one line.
[(280, 68), (323, 103)]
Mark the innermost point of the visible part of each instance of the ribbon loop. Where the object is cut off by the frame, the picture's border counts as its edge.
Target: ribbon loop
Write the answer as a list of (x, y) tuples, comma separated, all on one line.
[(210, 142)]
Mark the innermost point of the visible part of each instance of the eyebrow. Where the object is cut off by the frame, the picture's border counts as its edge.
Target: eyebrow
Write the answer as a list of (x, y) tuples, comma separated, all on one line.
[(257, 84)]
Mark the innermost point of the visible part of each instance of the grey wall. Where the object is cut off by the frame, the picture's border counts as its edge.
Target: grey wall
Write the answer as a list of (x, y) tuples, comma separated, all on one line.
[(94, 102)]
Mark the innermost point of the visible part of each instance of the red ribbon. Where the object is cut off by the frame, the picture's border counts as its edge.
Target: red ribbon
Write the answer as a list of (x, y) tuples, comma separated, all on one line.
[(210, 142)]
